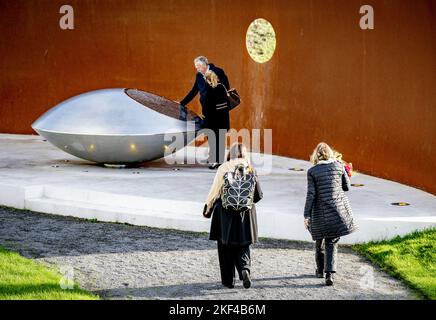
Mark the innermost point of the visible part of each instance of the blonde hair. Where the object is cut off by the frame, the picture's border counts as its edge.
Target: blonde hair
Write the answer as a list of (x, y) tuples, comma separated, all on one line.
[(322, 152), (338, 155), (211, 78)]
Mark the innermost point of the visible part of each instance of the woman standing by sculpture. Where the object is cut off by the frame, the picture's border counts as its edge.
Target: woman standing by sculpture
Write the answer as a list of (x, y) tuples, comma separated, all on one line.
[(216, 112)]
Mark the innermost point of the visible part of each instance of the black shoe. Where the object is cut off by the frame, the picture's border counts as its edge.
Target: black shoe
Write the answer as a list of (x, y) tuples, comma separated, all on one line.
[(246, 281), (319, 274), (328, 278), (214, 166), (230, 286)]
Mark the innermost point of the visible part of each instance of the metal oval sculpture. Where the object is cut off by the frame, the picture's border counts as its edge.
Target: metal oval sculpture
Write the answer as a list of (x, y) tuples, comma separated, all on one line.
[(116, 126)]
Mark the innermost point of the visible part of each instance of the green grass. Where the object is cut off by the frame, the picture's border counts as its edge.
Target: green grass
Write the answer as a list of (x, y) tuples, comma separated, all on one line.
[(22, 278), (411, 258)]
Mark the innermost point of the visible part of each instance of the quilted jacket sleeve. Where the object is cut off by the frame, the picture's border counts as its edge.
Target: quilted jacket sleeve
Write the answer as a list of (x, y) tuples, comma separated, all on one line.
[(310, 197)]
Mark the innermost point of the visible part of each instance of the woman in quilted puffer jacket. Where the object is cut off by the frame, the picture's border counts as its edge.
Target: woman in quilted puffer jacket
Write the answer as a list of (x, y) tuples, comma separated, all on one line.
[(233, 226), (327, 213)]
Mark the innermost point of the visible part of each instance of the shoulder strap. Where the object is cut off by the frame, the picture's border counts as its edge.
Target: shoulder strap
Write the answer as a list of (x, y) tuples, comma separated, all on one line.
[(223, 86)]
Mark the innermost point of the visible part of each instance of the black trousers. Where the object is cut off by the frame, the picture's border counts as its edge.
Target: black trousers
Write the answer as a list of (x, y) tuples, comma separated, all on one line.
[(217, 146), (326, 254), (231, 256)]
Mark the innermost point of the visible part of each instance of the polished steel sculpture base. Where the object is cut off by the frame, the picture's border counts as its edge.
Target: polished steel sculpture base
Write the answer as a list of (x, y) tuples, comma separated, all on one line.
[(116, 126)]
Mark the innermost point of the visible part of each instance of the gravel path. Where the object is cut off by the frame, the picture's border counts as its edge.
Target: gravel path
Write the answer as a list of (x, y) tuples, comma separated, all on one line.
[(129, 262)]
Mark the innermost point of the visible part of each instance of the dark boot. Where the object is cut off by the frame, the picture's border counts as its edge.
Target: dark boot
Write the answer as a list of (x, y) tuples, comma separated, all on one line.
[(246, 281), (329, 278)]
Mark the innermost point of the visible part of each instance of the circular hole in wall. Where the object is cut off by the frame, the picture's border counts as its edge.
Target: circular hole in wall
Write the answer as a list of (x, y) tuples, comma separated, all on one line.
[(261, 40)]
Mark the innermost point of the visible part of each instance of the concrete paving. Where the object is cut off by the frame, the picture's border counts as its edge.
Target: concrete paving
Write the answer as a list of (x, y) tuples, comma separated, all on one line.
[(37, 176)]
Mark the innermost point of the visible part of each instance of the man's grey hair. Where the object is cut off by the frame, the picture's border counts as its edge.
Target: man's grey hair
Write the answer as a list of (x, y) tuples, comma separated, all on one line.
[(201, 59)]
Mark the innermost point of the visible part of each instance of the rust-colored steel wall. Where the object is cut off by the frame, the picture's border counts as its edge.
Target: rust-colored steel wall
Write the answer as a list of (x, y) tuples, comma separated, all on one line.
[(371, 94)]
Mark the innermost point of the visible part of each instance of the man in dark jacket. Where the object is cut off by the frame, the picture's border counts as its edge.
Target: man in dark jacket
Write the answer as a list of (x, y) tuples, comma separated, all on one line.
[(217, 151)]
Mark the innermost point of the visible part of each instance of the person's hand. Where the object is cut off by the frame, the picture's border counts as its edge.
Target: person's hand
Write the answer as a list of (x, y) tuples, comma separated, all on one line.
[(206, 214), (306, 223)]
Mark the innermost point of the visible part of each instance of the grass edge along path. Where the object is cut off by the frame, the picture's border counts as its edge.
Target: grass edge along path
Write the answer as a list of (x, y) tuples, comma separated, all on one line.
[(26, 279), (410, 258)]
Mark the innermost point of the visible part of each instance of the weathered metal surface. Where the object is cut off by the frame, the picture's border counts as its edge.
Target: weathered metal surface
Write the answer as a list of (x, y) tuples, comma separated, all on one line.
[(369, 93)]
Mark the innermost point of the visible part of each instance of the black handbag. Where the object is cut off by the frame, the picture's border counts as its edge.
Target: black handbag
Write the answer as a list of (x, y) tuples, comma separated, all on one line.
[(233, 98)]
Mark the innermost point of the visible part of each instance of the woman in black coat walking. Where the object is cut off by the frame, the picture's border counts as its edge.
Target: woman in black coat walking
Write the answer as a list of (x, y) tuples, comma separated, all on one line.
[(234, 230), (327, 212)]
